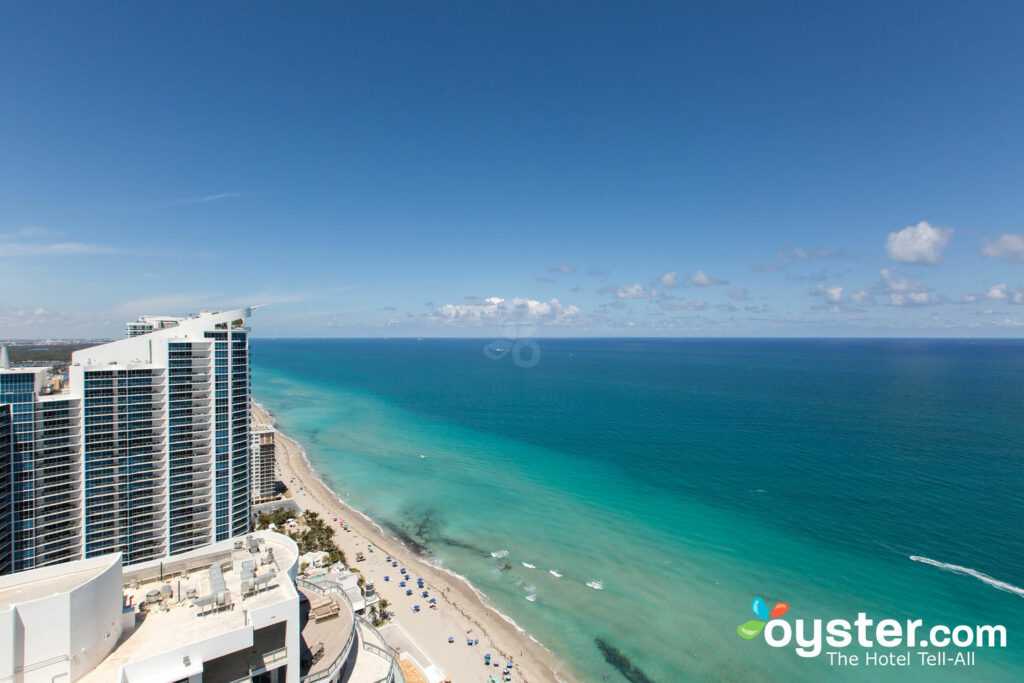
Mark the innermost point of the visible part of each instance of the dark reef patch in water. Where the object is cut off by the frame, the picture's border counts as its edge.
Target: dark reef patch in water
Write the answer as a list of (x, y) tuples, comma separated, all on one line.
[(620, 661), (421, 528), (405, 538), (454, 542)]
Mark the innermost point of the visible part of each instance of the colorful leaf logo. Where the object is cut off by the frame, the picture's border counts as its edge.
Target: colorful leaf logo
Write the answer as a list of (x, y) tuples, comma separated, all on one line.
[(750, 629), (760, 609)]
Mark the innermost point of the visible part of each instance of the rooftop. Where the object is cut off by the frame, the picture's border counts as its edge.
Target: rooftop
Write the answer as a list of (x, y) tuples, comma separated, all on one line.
[(199, 595), (44, 582)]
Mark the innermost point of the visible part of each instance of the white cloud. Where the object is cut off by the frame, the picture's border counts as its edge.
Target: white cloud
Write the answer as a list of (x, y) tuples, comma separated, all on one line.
[(684, 305), (1007, 246), (633, 291), (495, 310), (701, 279), (832, 293), (670, 279), (54, 249), (211, 198), (738, 295), (564, 268), (860, 296), (921, 243), (904, 292), (787, 256), (32, 231), (41, 320), (1002, 293), (998, 292)]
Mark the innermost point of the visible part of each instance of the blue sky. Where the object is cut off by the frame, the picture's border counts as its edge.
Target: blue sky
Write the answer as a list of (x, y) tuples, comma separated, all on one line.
[(471, 169)]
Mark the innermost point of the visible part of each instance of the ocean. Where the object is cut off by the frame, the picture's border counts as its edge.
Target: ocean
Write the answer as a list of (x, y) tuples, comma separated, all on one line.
[(668, 483)]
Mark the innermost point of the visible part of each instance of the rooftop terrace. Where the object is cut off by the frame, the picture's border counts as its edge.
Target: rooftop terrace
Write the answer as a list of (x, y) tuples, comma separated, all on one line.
[(199, 595)]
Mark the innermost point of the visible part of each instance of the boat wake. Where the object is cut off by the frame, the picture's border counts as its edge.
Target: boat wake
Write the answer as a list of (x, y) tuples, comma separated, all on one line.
[(596, 585), (498, 554), (554, 573), (967, 571), (529, 566)]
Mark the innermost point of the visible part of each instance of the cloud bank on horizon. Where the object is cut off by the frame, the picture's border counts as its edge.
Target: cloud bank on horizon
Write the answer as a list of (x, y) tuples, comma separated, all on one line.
[(850, 295)]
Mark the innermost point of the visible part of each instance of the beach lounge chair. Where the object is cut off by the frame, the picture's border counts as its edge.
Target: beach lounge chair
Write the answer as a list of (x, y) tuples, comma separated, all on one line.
[(324, 610)]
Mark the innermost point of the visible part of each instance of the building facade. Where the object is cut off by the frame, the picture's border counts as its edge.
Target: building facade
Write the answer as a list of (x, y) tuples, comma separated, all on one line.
[(146, 453), (263, 479)]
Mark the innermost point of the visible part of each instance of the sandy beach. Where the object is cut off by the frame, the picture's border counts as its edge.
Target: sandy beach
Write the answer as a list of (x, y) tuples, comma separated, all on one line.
[(461, 612)]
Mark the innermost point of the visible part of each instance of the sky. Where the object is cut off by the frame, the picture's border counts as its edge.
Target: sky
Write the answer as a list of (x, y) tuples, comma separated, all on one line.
[(514, 168)]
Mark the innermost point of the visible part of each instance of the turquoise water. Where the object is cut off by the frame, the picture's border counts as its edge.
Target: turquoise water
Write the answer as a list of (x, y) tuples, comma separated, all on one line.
[(687, 477)]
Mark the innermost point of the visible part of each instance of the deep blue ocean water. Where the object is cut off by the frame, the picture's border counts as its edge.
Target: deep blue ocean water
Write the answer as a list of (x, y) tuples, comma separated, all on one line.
[(687, 477)]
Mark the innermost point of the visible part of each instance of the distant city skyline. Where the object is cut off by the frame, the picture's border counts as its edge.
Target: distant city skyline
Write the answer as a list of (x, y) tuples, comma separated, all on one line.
[(529, 169)]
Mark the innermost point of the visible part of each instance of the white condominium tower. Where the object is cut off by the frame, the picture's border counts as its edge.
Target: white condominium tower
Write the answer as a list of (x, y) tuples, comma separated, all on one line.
[(146, 453)]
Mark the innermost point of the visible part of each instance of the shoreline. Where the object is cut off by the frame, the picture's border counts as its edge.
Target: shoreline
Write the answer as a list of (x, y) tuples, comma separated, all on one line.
[(463, 610)]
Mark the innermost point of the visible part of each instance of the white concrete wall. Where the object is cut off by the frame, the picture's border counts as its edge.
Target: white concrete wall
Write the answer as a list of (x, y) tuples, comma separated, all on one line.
[(96, 620), (50, 637)]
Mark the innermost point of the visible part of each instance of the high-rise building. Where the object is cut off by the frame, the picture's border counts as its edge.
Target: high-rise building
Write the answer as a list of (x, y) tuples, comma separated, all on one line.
[(41, 473), (263, 479), (146, 453), (6, 456)]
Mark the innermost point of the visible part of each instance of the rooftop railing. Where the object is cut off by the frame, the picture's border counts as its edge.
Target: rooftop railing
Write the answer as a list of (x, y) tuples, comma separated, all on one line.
[(395, 674)]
